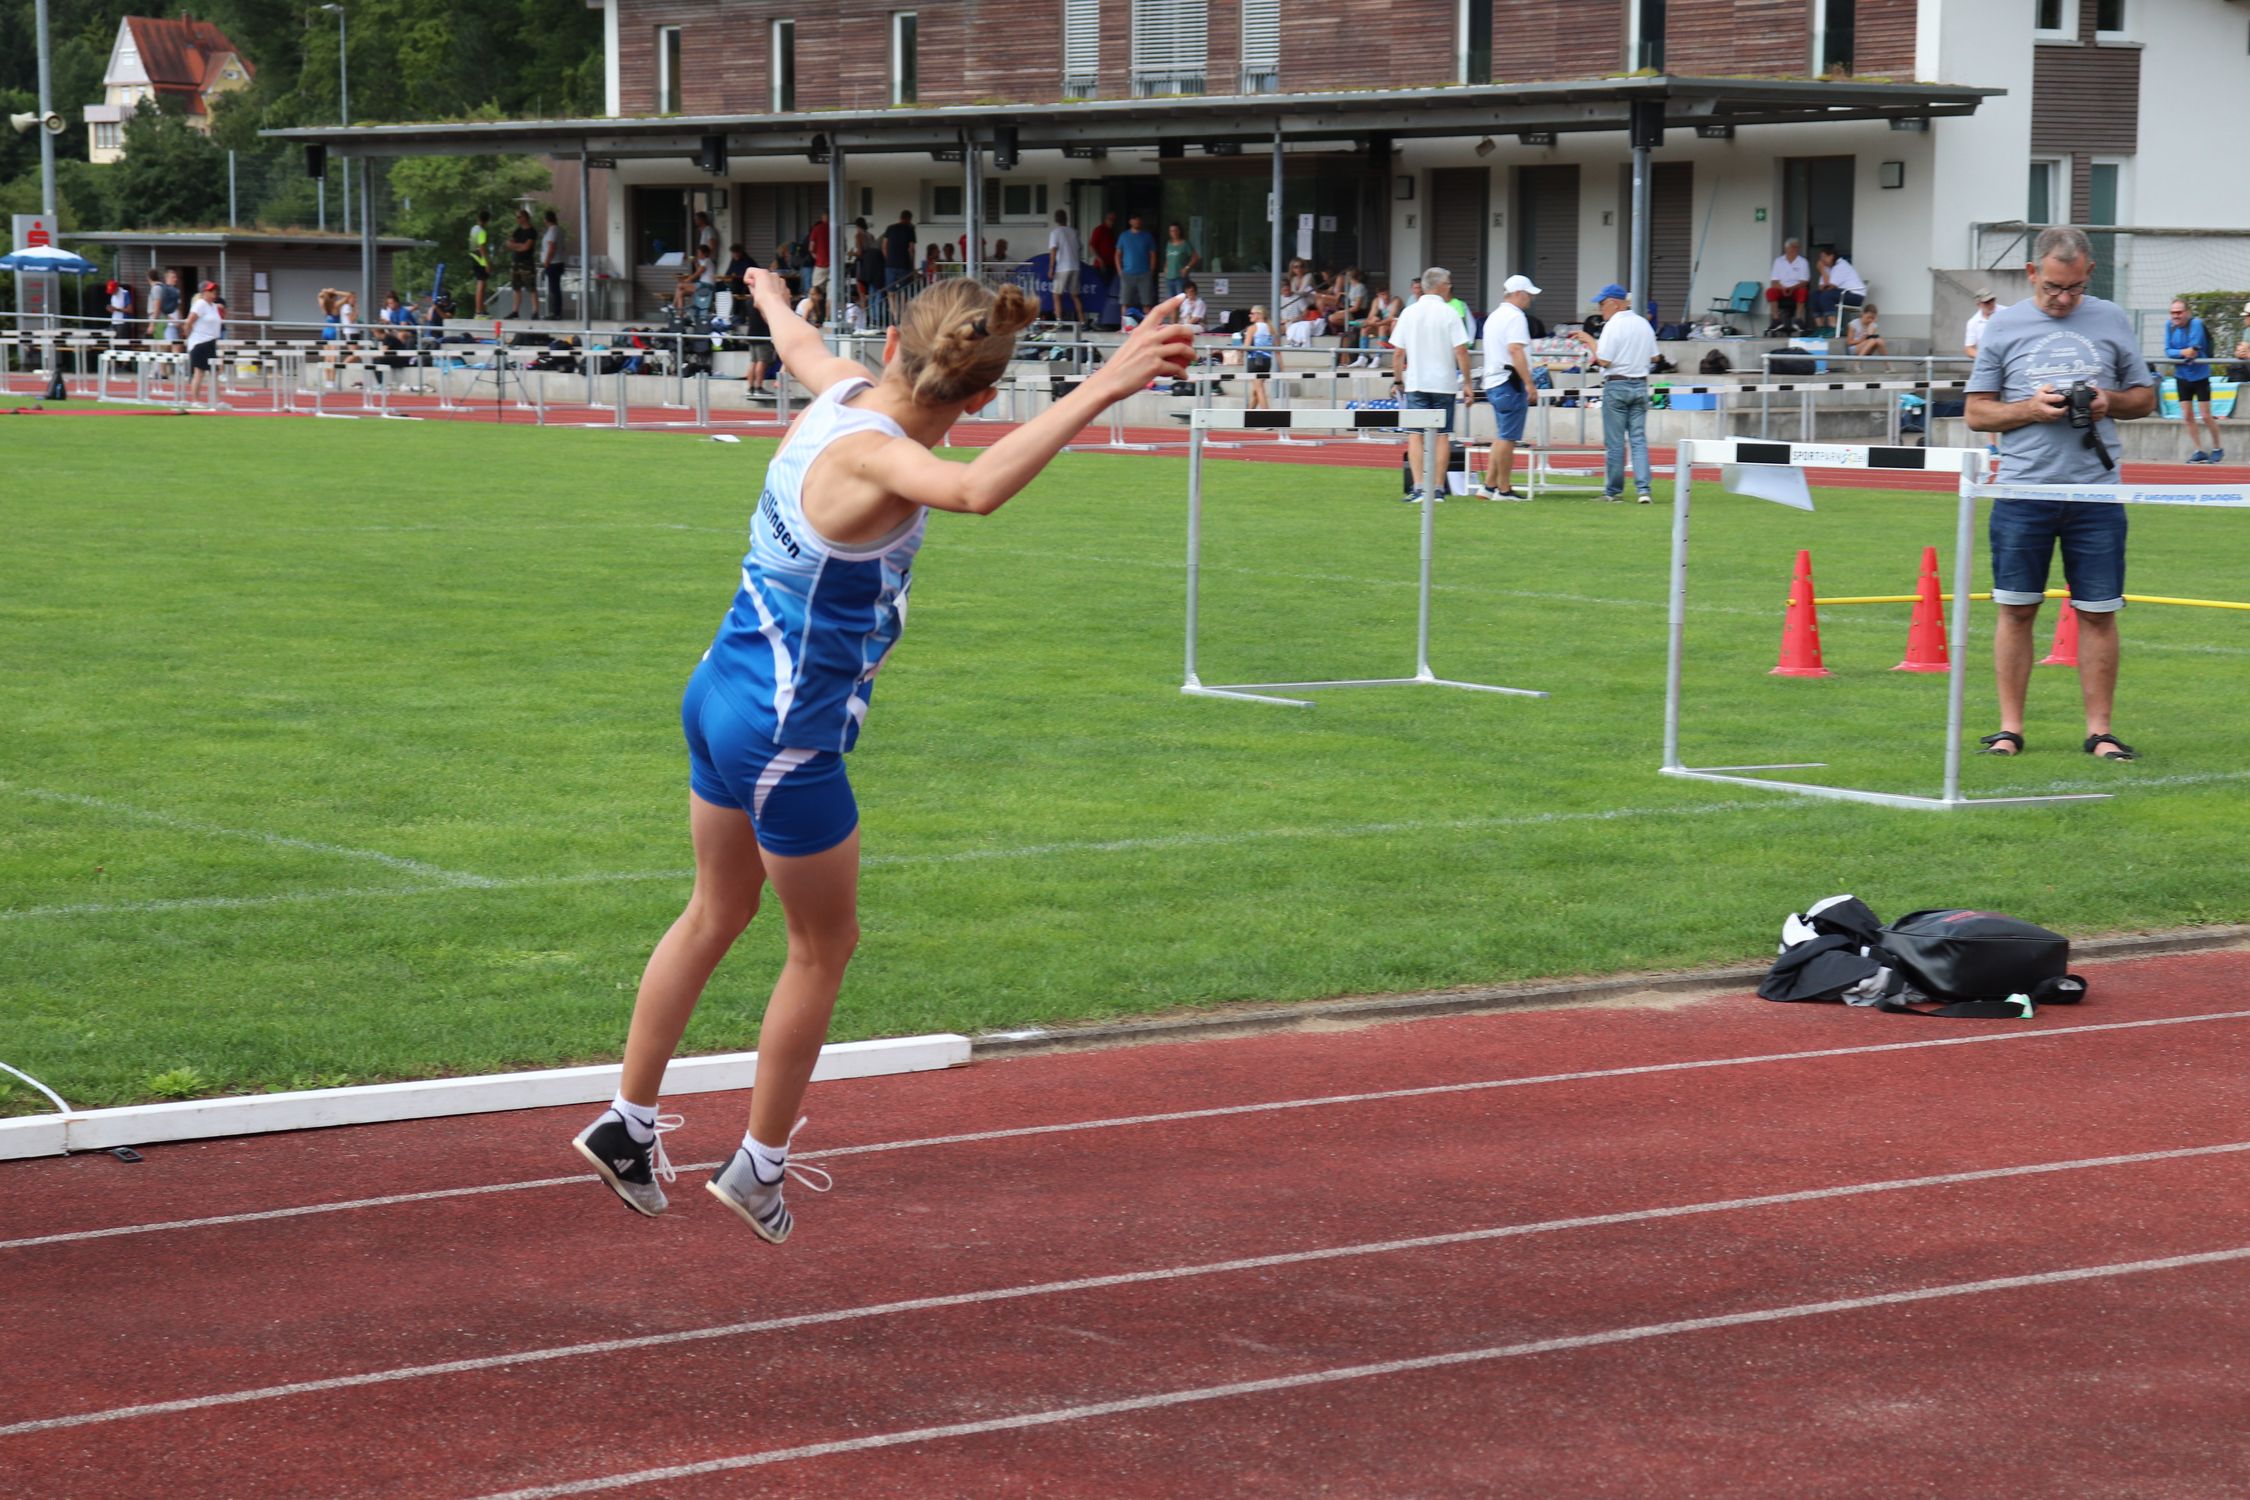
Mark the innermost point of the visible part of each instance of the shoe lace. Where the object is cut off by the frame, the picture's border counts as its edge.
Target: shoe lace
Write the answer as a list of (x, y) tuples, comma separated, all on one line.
[(805, 1174), (658, 1161)]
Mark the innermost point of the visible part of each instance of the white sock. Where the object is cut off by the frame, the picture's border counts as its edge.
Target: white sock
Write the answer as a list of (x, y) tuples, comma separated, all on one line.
[(640, 1119), (770, 1159)]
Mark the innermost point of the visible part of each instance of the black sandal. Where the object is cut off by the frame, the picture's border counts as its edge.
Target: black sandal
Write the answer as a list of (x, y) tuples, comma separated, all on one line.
[(2094, 742), (1991, 743)]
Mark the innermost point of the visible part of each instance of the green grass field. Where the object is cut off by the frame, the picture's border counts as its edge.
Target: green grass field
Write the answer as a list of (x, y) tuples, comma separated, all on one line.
[(349, 751)]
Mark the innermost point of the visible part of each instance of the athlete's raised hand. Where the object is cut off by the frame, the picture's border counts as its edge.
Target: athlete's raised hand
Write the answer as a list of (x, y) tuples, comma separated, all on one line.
[(1158, 349)]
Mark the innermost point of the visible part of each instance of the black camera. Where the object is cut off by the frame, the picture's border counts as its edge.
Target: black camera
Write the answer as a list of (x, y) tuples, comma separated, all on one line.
[(2081, 408)]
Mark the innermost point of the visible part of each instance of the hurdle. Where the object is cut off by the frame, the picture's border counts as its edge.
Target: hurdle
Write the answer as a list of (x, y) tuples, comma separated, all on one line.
[(1971, 465), (1429, 424)]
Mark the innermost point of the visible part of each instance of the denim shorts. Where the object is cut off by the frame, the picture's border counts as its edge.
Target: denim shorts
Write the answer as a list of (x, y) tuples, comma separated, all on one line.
[(799, 800), (1432, 401), (1509, 407), (2023, 537)]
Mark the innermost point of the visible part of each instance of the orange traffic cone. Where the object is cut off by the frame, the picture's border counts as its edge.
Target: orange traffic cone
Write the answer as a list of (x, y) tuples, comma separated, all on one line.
[(1800, 628), (1925, 638), (2064, 652)]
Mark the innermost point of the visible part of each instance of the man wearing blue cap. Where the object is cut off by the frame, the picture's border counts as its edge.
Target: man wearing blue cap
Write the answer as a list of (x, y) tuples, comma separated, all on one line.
[(1623, 354)]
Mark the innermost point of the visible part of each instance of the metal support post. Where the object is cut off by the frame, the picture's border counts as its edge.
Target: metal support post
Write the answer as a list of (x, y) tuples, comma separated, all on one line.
[(1640, 230), (623, 417), (1273, 304), (586, 275), (972, 258), (367, 298), (838, 283)]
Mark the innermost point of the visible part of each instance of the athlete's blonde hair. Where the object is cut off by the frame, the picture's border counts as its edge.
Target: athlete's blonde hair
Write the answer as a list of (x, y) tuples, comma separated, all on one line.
[(958, 337)]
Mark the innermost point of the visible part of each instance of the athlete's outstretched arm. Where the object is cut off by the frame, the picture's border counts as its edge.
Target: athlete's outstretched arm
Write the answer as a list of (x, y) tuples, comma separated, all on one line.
[(797, 342), (903, 467)]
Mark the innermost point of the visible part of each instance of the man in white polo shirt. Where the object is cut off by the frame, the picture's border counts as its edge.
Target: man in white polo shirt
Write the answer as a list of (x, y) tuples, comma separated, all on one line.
[(1433, 368), (1507, 384), (1624, 352), (1790, 284), (1973, 335)]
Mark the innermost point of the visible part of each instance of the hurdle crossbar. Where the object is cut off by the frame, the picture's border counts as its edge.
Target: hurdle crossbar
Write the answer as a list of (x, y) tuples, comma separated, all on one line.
[(1430, 424), (1970, 465)]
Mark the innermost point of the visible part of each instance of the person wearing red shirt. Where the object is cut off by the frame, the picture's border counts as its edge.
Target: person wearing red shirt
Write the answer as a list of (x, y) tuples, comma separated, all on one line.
[(818, 234)]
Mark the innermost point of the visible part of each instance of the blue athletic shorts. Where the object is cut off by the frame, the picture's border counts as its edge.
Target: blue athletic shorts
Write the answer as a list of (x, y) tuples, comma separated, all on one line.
[(799, 801), (1508, 409), (1432, 401), (2023, 537)]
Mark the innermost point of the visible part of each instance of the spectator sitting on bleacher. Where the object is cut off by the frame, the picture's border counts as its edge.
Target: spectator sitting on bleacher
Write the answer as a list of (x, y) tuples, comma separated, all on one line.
[(1841, 288), (1194, 314), (1863, 337), (1790, 286), (1382, 317)]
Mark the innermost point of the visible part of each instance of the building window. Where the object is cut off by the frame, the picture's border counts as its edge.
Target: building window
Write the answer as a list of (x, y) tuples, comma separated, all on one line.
[(667, 70), (2057, 18), (1833, 24), (905, 59), (1082, 48), (1474, 45), (1170, 45), (784, 67), (1646, 48), (2109, 17), (2043, 204), (105, 137), (1261, 46), (946, 200)]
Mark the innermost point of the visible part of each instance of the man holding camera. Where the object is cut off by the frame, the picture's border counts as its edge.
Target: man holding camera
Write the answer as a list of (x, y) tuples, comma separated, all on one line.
[(2054, 374)]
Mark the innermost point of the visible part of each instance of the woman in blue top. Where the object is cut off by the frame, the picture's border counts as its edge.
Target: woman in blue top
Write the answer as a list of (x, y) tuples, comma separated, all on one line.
[(782, 692)]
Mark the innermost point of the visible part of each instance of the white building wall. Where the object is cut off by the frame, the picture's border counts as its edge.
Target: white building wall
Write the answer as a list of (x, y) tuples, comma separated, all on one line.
[(2195, 75)]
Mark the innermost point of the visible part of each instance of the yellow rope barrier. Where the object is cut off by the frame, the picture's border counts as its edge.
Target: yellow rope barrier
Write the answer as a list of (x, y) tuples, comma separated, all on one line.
[(2051, 593)]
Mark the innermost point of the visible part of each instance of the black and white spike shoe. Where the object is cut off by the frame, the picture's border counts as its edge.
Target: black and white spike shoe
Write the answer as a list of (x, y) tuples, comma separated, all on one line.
[(755, 1200), (631, 1168)]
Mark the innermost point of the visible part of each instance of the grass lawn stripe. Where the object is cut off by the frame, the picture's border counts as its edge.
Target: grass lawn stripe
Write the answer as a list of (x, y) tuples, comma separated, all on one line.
[(463, 647)]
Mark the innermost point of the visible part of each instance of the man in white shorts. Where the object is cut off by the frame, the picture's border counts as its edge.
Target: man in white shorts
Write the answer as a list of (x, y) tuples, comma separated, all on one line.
[(1062, 264)]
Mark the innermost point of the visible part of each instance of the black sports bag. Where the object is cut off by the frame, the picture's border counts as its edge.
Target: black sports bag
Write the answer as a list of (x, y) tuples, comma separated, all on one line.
[(1982, 959)]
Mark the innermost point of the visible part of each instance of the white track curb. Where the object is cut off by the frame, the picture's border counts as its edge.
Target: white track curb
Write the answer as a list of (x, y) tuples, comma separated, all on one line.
[(369, 1104)]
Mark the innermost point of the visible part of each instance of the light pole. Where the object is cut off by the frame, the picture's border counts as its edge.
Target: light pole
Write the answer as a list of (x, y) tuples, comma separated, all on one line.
[(46, 137), (344, 102)]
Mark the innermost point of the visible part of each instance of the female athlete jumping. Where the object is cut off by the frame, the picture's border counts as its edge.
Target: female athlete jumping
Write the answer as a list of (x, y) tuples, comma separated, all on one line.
[(780, 696)]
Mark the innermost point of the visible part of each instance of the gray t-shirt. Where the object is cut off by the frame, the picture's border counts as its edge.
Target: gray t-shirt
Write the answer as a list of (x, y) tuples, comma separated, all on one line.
[(2023, 349)]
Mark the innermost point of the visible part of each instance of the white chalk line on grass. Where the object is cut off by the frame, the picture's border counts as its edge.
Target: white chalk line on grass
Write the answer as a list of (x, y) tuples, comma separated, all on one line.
[(450, 878), (1098, 1283), (1072, 1127), (1449, 1360), (1153, 843)]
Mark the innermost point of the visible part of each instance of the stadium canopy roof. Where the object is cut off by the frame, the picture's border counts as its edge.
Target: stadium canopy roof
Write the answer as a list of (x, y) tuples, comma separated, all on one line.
[(1239, 119)]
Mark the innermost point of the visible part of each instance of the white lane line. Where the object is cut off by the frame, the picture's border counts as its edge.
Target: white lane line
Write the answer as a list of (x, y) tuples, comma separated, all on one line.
[(1095, 1283), (1072, 1127), (1150, 844), (277, 840), (1310, 1378)]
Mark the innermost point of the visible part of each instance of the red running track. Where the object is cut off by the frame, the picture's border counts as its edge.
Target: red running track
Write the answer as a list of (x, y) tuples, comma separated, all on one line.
[(1170, 439), (1707, 1248)]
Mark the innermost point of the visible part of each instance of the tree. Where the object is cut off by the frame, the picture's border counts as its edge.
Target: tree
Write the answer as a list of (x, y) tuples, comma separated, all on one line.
[(438, 198), (171, 173)]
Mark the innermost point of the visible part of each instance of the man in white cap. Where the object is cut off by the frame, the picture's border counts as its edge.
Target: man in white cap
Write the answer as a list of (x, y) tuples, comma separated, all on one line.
[(1987, 305), (1507, 384)]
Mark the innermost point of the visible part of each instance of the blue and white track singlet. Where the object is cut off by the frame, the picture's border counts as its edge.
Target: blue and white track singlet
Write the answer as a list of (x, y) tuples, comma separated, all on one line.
[(813, 620)]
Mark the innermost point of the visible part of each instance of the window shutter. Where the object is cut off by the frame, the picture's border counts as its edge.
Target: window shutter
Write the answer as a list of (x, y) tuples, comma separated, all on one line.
[(1170, 43), (1261, 46), (1082, 47)]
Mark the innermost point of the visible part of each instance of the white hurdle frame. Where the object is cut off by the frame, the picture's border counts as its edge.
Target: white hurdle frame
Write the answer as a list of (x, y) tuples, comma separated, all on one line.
[(1430, 424), (1970, 464)]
